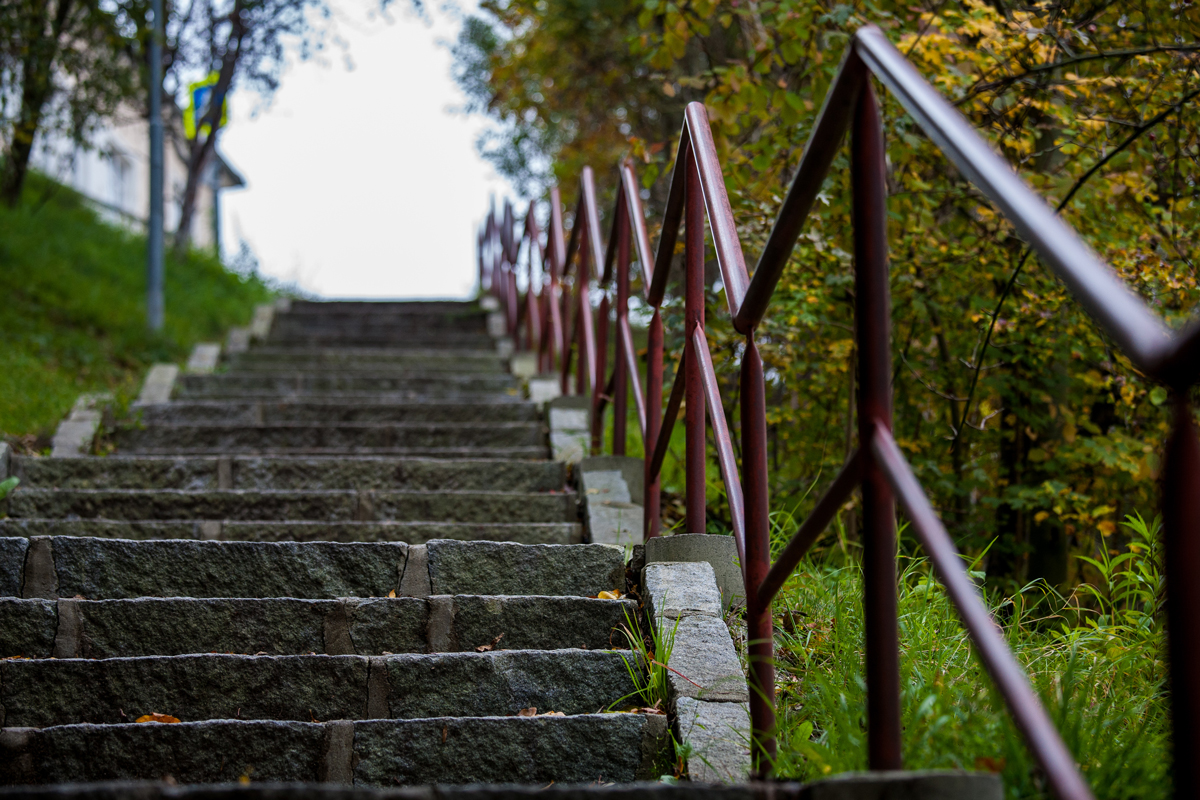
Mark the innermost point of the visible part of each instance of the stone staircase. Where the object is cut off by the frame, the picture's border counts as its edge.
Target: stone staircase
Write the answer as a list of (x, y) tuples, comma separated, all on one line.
[(343, 557)]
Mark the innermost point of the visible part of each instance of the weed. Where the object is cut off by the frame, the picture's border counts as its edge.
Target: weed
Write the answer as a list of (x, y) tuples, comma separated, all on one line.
[(648, 670), (1095, 657)]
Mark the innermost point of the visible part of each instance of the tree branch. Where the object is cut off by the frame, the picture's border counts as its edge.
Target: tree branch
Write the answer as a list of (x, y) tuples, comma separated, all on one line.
[(1157, 118)]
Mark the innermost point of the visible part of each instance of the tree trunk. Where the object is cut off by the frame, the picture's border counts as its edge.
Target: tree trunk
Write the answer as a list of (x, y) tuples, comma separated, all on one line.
[(202, 151), (197, 161), (36, 89)]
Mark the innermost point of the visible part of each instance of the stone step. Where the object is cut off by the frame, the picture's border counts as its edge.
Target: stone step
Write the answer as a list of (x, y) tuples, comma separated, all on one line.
[(402, 307), (448, 453), (324, 505), (104, 569), (233, 438), (208, 473), (390, 338), (344, 359), (637, 790), (298, 530), (365, 408), (433, 329), (152, 626), (400, 398), (39, 693), (448, 750), (366, 315), (318, 381)]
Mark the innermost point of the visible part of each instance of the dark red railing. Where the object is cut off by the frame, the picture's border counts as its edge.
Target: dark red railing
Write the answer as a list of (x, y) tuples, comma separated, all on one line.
[(697, 191)]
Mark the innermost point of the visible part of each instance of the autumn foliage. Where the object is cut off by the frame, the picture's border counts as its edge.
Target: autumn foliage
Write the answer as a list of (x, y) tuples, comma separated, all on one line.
[(1024, 423)]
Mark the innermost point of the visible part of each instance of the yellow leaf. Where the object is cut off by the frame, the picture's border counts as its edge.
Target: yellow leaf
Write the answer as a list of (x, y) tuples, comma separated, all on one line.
[(1041, 515), (392, 593), (609, 596), (156, 717)]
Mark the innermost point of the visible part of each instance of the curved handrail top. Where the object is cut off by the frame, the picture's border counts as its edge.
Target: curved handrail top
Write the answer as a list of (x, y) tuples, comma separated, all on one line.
[(726, 244), (633, 204)]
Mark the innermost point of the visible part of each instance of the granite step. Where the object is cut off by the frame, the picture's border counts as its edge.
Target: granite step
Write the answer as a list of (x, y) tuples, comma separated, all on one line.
[(168, 626), (348, 319), (208, 473), (319, 381), (342, 359), (412, 396), (39, 693), (383, 338), (297, 530), (114, 569), (638, 790), (447, 750), (354, 408), (323, 505), (235, 438), (354, 307)]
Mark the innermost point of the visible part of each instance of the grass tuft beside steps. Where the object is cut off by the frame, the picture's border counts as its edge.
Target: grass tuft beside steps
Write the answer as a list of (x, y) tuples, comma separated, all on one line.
[(73, 315)]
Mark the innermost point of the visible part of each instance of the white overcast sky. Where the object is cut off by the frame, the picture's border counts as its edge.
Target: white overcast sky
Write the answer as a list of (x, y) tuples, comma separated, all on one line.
[(363, 182)]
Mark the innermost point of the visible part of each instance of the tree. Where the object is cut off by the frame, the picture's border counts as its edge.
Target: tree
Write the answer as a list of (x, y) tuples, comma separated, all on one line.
[(244, 43), (1020, 417), (64, 65)]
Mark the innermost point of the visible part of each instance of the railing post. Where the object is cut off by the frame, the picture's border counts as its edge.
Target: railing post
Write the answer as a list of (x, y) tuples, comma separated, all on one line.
[(620, 378), (873, 323), (694, 418), (654, 392), (601, 365), (755, 490), (1181, 557)]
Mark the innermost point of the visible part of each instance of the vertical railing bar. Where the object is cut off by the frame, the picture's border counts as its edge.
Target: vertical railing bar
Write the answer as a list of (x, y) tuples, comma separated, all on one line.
[(872, 318), (756, 564), (620, 384), (652, 423), (695, 456), (1181, 559)]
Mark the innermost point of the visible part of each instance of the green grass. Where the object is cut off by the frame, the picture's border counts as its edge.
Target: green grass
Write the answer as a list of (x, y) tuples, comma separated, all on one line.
[(1095, 658), (74, 311)]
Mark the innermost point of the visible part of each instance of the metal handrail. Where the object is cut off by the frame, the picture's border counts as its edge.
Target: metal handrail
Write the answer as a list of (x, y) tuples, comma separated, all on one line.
[(697, 193)]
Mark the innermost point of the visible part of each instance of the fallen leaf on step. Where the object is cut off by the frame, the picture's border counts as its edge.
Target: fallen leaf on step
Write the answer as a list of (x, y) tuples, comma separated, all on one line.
[(392, 593), (156, 717), (528, 712), (552, 714), (609, 596), (483, 648)]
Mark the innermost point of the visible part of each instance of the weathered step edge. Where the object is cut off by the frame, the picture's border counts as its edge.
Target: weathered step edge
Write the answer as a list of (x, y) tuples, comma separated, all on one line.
[(328, 505), (42, 693), (153, 626), (414, 533), (102, 569), (210, 473), (450, 750)]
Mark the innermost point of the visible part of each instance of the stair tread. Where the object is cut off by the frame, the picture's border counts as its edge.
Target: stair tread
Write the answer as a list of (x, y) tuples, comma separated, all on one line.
[(445, 750)]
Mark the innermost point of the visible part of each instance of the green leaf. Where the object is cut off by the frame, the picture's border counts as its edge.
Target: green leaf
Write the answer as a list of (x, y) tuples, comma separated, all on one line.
[(1158, 395), (7, 486)]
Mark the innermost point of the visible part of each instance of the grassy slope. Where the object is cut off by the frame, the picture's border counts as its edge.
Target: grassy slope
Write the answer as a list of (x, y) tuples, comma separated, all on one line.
[(73, 317)]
